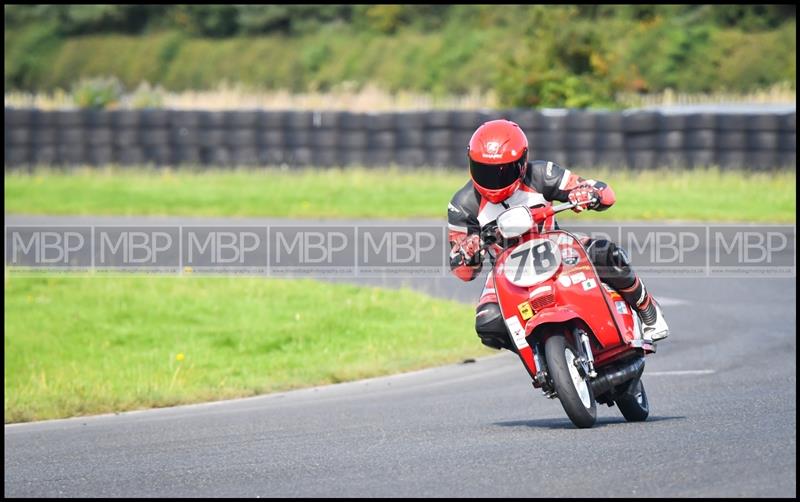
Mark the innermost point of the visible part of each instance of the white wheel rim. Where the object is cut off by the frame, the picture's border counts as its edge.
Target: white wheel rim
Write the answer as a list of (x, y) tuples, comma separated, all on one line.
[(577, 380)]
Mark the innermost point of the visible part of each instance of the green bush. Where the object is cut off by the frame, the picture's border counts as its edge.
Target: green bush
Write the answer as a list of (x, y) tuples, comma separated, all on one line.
[(29, 54), (207, 20), (146, 96), (749, 61), (98, 93)]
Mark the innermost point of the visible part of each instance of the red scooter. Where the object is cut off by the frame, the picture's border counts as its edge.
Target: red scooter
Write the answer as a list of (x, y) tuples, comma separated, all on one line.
[(576, 336)]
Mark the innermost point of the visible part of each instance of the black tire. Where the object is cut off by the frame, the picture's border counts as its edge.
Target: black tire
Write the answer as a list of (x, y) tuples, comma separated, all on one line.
[(352, 121), (787, 141), (633, 403), (438, 119), (274, 119), (241, 119), (581, 140), (642, 141), (154, 118), (468, 119), (188, 119), (701, 139), (640, 121), (555, 349)]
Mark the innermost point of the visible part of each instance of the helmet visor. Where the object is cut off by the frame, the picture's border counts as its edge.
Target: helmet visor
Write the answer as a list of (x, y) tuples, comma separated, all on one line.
[(495, 176)]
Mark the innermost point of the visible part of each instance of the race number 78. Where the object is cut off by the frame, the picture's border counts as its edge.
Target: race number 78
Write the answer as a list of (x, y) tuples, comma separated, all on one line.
[(541, 260)]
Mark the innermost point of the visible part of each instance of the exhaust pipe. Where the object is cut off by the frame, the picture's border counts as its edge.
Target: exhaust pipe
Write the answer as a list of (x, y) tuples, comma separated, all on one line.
[(622, 374)]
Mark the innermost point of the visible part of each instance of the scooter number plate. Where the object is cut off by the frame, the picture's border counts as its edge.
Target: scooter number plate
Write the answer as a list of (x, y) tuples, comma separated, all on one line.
[(532, 262)]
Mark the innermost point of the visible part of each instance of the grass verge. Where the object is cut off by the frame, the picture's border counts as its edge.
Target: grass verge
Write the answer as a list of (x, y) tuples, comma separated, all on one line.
[(699, 195), (86, 345)]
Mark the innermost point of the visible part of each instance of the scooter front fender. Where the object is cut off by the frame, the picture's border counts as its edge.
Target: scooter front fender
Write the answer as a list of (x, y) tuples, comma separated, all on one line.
[(550, 315)]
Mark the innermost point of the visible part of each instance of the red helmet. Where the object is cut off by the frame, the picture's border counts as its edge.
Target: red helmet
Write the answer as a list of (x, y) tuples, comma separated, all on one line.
[(498, 158)]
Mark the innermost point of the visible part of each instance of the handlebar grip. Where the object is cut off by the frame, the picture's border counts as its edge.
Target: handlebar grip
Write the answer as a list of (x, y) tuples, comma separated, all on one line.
[(541, 214)]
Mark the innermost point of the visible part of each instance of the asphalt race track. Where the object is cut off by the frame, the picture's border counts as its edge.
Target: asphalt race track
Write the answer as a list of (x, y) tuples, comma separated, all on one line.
[(722, 393)]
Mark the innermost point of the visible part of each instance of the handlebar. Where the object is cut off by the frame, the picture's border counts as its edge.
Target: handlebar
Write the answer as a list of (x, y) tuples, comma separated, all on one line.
[(539, 215)]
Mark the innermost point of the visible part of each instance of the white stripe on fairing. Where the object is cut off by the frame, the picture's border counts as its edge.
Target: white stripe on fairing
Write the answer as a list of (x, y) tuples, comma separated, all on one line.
[(564, 179), (457, 228), (539, 290), (679, 372), (488, 291)]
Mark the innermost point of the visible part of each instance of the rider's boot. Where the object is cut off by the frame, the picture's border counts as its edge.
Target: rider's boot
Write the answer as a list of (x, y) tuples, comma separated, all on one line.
[(490, 327), (654, 326)]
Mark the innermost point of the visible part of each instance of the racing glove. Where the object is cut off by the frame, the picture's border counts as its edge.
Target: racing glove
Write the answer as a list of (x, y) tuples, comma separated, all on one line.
[(468, 250), (584, 197)]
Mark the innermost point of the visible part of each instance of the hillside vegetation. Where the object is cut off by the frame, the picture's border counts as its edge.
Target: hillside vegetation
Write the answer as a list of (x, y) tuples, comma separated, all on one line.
[(528, 55)]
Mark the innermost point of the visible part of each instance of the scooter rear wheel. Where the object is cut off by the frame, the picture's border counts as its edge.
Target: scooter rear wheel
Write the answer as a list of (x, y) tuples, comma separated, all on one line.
[(633, 403), (573, 390)]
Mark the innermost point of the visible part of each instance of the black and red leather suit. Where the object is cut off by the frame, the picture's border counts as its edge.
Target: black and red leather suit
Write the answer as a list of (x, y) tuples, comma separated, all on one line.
[(468, 213)]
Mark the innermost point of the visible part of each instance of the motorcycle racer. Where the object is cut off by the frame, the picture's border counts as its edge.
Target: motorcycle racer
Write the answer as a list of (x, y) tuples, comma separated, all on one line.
[(501, 178)]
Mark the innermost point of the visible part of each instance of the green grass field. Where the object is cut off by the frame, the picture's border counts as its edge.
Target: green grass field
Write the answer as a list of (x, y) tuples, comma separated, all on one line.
[(85, 345), (697, 195)]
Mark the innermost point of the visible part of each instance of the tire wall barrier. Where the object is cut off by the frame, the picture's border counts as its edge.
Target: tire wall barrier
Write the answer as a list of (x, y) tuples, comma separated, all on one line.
[(634, 139)]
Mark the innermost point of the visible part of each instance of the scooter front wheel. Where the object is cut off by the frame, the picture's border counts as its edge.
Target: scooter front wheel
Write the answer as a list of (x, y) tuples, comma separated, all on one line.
[(573, 390)]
